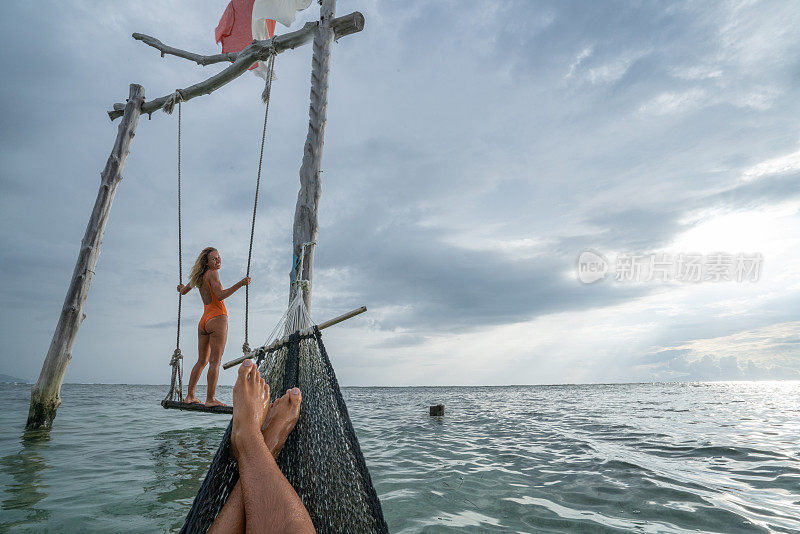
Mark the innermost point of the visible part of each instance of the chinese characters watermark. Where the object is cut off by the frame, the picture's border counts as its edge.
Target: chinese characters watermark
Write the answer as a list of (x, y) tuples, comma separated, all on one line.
[(664, 267)]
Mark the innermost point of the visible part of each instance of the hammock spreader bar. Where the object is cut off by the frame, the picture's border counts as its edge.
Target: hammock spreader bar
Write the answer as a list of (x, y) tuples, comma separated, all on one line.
[(259, 353)]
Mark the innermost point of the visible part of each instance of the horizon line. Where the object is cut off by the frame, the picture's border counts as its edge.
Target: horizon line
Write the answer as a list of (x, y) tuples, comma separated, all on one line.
[(676, 381)]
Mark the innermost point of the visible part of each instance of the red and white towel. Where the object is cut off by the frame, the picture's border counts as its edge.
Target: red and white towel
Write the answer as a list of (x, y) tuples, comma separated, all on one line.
[(245, 20)]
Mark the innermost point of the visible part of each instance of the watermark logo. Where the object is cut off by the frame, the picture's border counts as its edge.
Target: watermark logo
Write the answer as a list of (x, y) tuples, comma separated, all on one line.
[(663, 267), (591, 267)]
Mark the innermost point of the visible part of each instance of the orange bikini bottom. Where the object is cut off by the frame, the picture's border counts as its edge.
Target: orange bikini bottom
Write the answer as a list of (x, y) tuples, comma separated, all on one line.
[(210, 314)]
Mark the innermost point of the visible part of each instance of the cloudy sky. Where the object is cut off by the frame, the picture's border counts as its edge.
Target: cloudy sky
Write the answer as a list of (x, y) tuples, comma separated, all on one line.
[(473, 151)]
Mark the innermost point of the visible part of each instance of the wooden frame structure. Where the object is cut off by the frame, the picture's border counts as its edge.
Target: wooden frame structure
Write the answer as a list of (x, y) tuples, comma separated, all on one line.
[(45, 394)]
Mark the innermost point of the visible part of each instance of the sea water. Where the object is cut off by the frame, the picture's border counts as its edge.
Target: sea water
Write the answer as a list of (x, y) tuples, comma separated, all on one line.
[(679, 457)]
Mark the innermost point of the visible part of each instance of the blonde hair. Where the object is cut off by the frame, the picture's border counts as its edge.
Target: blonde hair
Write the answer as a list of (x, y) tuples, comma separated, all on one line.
[(200, 267)]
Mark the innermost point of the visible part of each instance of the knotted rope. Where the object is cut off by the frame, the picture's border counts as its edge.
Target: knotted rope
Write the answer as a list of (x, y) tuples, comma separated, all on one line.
[(271, 74), (174, 98)]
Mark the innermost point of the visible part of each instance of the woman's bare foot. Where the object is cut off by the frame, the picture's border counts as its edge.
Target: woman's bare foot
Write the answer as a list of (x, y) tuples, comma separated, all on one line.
[(250, 405), (281, 420), (191, 399), (214, 402)]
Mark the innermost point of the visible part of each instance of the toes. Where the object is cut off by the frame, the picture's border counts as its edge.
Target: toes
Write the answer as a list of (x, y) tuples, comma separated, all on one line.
[(254, 375), (244, 370), (294, 397)]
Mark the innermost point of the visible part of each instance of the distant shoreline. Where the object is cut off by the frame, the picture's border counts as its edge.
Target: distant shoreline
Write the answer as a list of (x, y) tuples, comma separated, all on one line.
[(8, 379)]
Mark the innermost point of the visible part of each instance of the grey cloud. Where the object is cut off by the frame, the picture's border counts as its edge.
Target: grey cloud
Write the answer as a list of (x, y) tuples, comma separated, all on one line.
[(664, 355), (637, 229), (400, 340), (159, 325), (452, 288), (709, 368), (766, 191), (434, 137)]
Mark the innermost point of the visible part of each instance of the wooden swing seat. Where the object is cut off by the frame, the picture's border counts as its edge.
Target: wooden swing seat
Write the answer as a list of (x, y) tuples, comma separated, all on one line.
[(194, 407)]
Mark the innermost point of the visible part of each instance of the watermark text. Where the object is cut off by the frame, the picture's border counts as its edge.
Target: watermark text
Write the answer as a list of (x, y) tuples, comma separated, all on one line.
[(666, 267)]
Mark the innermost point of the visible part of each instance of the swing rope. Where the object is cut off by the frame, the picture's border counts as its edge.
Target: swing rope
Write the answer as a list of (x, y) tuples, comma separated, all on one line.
[(180, 234), (176, 382), (266, 96)]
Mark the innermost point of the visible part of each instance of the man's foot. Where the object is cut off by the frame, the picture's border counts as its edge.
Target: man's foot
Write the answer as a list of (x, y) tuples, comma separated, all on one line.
[(214, 402), (281, 420), (191, 399), (250, 404)]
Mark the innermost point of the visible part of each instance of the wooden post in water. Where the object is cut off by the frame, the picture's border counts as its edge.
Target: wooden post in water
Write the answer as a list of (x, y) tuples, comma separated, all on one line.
[(306, 227), (437, 410), (45, 395)]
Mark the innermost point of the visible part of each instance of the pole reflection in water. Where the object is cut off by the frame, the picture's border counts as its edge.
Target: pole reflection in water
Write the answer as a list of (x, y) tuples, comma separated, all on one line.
[(22, 478)]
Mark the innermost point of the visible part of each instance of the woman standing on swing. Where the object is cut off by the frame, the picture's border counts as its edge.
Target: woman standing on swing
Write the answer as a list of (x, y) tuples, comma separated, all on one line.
[(212, 332)]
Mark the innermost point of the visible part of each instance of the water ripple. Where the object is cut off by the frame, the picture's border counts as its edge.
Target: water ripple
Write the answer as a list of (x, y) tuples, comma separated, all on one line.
[(608, 458)]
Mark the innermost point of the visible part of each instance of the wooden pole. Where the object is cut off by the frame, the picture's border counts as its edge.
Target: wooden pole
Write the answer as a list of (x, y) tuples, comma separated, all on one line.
[(306, 225), (45, 395)]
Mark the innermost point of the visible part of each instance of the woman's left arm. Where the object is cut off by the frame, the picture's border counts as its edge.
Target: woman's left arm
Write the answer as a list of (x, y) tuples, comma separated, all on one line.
[(225, 293), (183, 289)]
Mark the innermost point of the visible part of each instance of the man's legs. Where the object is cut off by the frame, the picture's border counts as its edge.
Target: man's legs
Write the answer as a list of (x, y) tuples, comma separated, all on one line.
[(262, 500)]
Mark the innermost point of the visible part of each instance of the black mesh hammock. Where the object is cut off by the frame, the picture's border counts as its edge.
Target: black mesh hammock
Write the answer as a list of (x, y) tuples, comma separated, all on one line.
[(321, 459)]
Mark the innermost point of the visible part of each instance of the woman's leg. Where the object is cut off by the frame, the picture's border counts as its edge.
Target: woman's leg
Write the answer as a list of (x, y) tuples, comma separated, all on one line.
[(203, 352), (218, 329)]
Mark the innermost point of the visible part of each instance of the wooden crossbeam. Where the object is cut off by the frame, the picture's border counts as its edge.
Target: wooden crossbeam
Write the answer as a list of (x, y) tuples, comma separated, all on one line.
[(258, 51)]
